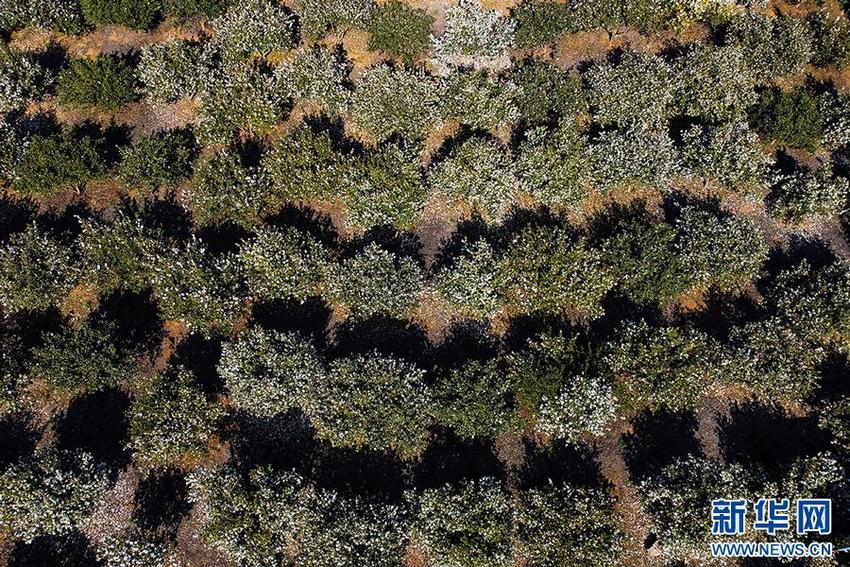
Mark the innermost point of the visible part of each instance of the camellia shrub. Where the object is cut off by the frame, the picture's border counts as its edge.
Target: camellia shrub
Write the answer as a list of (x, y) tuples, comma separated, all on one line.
[(374, 282), (63, 16), (662, 366), (36, 271), (131, 13), (23, 79), (317, 17), (185, 10), (831, 39), (477, 401), (637, 90), (478, 173), (370, 401), (473, 35), (269, 372), (223, 189), (132, 550), (399, 30), (106, 82), (203, 292), (719, 251), (283, 264), (119, 255), (465, 525), (159, 160), (834, 110), (554, 166), (480, 100), (171, 422), (468, 282), (729, 92), (61, 161), (633, 156), (316, 75), (83, 359), (542, 23), (584, 405), (810, 196), (390, 101), (50, 493), (728, 154), (569, 527), (551, 270), (253, 27), (789, 118), (547, 92), (772, 46), (172, 70)]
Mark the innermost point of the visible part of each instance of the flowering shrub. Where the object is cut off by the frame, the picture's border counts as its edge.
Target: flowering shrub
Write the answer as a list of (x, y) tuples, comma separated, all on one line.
[(372, 401), (729, 154), (546, 91), (316, 75), (317, 17), (51, 492), (224, 190), (468, 283), (119, 255), (478, 172), (726, 95), (171, 422), (268, 372), (400, 31), (473, 35), (584, 405), (480, 100), (281, 264), (374, 282), (465, 525), (391, 101), (253, 27), (804, 195), (131, 551), (771, 46), (36, 271), (831, 39), (172, 70), (61, 15), (834, 110), (23, 79), (633, 156), (639, 89)]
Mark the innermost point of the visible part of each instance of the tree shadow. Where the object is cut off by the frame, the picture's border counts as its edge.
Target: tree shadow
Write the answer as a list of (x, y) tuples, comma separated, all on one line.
[(18, 438), (200, 355), (284, 441), (401, 243), (136, 319), (97, 423), (452, 459), (308, 220), (466, 340), (310, 317), (223, 238), (391, 337), (373, 475), (161, 503), (659, 438), (168, 216), (15, 215), (468, 231), (561, 463), (72, 550)]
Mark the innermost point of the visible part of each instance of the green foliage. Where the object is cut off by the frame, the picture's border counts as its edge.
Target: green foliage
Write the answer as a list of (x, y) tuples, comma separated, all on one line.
[(541, 23), (253, 27), (479, 173), (835, 118), (399, 30), (392, 101), (119, 255), (788, 117), (159, 160), (633, 156), (468, 283), (553, 165), (772, 46), (23, 79), (551, 270), (729, 91), (282, 264), (36, 271), (639, 89), (242, 98), (186, 10), (225, 190), (678, 500), (719, 251), (51, 163), (83, 359), (584, 405), (662, 366), (372, 401), (546, 91), (479, 100), (50, 493), (171, 422), (729, 154), (774, 361), (320, 16), (477, 401), (106, 82), (806, 196), (563, 526), (831, 39), (269, 372), (465, 525), (374, 282), (205, 293), (316, 75), (835, 418), (172, 70), (473, 35), (132, 550), (60, 15), (131, 13)]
